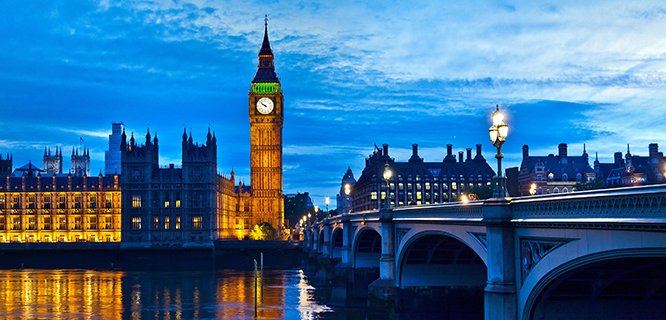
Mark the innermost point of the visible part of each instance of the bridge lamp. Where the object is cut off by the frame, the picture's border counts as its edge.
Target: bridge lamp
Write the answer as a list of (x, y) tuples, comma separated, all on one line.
[(347, 193), (498, 133), (328, 201), (533, 189), (464, 199), (388, 173)]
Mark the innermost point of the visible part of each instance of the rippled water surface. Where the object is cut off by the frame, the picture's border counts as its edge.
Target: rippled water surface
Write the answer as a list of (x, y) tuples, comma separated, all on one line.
[(220, 294)]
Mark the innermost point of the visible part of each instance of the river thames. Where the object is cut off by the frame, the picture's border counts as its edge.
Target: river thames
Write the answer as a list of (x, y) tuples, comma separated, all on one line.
[(210, 294)]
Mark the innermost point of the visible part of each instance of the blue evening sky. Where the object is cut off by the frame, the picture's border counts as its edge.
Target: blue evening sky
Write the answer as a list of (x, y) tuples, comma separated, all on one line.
[(353, 75)]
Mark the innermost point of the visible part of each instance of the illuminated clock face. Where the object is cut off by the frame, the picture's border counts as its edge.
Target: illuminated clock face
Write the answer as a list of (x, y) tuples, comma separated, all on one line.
[(265, 105)]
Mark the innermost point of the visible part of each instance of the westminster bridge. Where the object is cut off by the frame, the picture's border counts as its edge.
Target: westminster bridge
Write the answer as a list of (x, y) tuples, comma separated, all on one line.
[(591, 254)]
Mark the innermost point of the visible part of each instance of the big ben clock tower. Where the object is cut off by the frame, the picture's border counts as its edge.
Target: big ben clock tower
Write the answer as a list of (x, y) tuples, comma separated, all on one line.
[(266, 117)]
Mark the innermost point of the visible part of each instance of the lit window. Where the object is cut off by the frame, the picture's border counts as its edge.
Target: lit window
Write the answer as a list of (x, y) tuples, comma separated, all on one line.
[(166, 204), (136, 201), (166, 223), (177, 203), (136, 223), (427, 185), (92, 223), (373, 195), (418, 196), (177, 222), (454, 186), (77, 223), (197, 222), (156, 222)]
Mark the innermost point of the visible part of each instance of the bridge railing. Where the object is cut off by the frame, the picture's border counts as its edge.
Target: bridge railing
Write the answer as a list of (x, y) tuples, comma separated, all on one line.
[(644, 203)]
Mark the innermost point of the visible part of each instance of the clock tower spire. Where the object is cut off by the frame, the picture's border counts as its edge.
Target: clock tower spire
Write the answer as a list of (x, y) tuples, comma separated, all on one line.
[(266, 117)]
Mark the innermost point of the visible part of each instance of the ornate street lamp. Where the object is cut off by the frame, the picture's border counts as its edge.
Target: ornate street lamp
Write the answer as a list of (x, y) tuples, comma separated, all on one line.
[(388, 173), (498, 132), (347, 193), (328, 201), (533, 189)]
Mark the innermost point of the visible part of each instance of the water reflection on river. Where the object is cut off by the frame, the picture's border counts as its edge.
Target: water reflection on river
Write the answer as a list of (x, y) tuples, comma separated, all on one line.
[(222, 294)]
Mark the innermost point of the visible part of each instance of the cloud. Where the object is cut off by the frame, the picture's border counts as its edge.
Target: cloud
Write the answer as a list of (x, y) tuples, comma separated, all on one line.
[(102, 133)]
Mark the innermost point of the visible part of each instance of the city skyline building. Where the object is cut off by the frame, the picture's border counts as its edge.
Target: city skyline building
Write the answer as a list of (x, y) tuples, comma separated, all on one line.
[(417, 182), (112, 155)]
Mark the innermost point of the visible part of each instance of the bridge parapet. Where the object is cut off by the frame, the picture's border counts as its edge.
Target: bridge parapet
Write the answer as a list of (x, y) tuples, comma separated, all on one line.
[(632, 205)]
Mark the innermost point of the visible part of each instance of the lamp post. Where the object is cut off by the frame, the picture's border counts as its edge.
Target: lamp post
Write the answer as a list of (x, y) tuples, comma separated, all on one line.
[(533, 189), (498, 132), (328, 201), (388, 173), (347, 200)]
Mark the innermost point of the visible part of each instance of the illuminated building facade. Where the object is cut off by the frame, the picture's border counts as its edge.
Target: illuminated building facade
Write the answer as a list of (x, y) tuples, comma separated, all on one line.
[(416, 182), (37, 207)]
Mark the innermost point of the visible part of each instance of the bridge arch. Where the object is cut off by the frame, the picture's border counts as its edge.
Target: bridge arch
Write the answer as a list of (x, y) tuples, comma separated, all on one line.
[(367, 246), (439, 258), (336, 243), (586, 250), (608, 284)]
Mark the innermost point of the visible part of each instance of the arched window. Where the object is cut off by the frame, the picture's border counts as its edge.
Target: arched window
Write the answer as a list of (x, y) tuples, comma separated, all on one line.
[(565, 177), (565, 190), (579, 177), (556, 190)]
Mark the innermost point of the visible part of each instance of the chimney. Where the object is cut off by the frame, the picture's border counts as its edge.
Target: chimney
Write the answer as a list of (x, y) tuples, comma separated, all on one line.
[(415, 150), (385, 147), (460, 156), (618, 159), (654, 150), (562, 150), (469, 154), (449, 150), (526, 151), (478, 150)]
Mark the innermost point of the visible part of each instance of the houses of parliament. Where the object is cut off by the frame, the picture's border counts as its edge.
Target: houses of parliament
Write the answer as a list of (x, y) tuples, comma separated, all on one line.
[(141, 203)]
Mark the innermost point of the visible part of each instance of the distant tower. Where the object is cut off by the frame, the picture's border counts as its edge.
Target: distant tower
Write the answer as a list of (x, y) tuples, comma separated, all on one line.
[(53, 162), (344, 199), (266, 118), (112, 156), (80, 162), (6, 166)]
